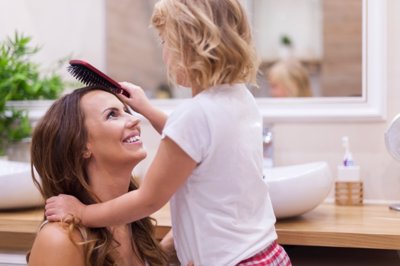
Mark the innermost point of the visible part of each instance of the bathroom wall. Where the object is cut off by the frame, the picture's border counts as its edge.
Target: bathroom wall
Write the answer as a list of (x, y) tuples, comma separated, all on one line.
[(305, 142), (342, 30), (303, 25), (62, 28), (133, 50), (81, 30), (302, 142)]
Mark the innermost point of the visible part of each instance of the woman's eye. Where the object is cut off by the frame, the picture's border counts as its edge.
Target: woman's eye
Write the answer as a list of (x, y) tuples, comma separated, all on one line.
[(111, 114)]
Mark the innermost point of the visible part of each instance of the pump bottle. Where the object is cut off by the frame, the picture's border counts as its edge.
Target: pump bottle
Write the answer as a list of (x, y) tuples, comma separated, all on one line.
[(348, 185)]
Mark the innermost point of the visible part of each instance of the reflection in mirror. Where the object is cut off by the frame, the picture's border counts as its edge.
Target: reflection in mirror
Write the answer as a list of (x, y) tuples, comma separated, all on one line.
[(324, 36)]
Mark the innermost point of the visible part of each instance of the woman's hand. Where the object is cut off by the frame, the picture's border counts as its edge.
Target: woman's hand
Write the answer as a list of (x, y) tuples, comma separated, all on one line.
[(60, 207)]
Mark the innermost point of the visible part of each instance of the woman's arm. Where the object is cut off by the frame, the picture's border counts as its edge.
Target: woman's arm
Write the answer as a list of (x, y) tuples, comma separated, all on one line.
[(169, 170), (52, 246), (167, 244)]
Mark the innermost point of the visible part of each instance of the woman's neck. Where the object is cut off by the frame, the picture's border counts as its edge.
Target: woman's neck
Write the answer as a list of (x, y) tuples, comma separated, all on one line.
[(109, 182), (127, 250)]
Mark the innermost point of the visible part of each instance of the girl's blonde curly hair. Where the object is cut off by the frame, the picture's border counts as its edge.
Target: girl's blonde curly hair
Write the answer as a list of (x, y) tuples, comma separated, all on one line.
[(209, 42)]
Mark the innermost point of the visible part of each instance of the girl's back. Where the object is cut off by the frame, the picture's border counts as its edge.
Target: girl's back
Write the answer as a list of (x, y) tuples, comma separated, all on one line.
[(225, 198)]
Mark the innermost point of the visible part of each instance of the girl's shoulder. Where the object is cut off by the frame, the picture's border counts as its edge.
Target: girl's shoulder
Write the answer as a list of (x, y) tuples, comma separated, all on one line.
[(55, 245)]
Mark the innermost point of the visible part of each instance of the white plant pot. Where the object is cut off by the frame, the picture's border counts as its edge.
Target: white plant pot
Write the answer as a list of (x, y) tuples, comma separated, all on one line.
[(285, 52), (20, 151), (36, 108)]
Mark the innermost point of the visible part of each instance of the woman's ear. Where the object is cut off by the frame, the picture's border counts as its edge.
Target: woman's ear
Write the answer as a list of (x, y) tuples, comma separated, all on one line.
[(87, 154)]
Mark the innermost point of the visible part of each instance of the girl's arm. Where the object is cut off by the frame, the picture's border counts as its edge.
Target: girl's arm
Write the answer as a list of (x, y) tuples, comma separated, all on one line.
[(167, 244), (169, 170), (139, 102)]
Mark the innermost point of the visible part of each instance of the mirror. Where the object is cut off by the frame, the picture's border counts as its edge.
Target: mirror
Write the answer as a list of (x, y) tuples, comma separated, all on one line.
[(115, 37), (313, 49), (352, 87), (370, 106)]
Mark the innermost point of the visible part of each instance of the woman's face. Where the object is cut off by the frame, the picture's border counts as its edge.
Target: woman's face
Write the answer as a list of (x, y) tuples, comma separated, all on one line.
[(113, 133)]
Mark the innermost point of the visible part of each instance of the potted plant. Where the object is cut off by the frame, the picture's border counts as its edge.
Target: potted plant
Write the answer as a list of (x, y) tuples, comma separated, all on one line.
[(286, 47), (21, 79)]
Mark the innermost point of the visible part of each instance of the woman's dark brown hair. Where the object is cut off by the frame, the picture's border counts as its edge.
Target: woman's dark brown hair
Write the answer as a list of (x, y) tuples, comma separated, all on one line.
[(58, 144)]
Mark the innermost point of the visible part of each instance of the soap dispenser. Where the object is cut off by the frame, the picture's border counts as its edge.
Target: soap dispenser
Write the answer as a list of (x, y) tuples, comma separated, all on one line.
[(268, 148), (348, 185)]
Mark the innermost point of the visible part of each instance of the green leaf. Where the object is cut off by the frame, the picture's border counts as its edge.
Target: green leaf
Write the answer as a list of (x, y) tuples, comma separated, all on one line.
[(21, 78)]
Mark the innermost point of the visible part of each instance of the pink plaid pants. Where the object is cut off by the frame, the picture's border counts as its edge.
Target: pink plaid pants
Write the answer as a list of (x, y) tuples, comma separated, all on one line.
[(273, 255)]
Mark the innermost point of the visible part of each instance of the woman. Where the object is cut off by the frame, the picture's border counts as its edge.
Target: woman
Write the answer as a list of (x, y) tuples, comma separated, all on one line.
[(86, 145)]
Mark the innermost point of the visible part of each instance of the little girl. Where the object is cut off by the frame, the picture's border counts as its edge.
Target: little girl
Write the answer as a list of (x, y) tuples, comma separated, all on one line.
[(209, 162)]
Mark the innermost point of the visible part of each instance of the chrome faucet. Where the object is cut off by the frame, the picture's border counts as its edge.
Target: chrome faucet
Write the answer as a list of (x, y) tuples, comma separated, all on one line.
[(268, 148)]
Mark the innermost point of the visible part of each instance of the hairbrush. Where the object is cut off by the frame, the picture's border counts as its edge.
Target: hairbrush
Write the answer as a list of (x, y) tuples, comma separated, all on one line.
[(91, 76)]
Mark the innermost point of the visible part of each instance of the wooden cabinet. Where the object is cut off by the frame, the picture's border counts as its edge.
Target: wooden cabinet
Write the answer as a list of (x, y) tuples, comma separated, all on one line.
[(368, 227)]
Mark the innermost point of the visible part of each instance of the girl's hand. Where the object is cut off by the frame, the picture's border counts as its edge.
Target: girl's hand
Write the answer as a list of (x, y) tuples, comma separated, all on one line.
[(60, 207), (137, 99), (139, 102)]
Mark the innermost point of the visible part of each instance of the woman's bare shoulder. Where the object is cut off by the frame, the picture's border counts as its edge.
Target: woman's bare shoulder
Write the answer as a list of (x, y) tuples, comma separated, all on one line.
[(54, 246)]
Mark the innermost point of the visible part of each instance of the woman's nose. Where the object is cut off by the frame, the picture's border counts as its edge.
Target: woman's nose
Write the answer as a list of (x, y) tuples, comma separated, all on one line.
[(132, 121)]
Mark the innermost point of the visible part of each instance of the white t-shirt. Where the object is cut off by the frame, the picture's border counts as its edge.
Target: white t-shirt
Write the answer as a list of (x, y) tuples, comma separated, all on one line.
[(223, 213)]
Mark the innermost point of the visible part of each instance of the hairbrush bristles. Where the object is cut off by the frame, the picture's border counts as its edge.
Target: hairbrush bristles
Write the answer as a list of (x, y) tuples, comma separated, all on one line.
[(91, 76)]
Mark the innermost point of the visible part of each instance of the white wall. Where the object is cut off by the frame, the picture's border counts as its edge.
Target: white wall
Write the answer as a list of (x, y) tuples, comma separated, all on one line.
[(302, 23), (295, 143), (305, 142), (77, 26), (63, 28)]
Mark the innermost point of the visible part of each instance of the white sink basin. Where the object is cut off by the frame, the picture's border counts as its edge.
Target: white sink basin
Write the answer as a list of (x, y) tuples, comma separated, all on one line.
[(17, 189), (297, 189)]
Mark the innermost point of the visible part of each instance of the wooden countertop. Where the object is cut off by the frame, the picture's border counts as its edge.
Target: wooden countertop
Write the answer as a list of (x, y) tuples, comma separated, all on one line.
[(368, 226)]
